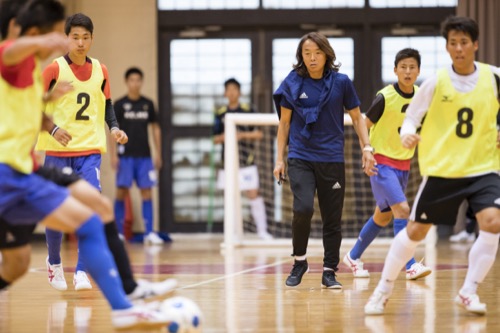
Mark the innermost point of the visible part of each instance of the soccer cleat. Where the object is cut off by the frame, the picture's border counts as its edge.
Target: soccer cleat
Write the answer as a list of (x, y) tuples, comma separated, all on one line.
[(463, 237), (471, 303), (146, 289), (417, 270), (265, 235), (329, 281), (138, 316), (356, 267), (300, 267), (153, 239), (81, 281), (56, 276), (376, 303)]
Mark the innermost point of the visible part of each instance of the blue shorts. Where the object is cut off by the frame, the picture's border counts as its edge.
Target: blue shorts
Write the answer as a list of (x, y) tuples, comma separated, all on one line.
[(389, 186), (27, 199), (88, 167), (140, 169)]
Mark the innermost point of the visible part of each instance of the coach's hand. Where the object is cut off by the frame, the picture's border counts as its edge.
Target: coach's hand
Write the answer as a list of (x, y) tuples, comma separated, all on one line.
[(279, 172), (119, 136)]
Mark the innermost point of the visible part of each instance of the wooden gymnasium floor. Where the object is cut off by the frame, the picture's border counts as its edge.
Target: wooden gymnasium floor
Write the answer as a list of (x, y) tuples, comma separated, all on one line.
[(244, 291)]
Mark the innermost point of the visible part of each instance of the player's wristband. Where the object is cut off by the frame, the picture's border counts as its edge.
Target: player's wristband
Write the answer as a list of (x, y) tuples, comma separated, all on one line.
[(369, 148), (114, 128), (54, 130)]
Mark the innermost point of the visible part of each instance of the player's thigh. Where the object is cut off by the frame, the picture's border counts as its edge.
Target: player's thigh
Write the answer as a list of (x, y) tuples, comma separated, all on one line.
[(125, 172), (15, 236), (68, 216), (485, 202), (144, 173), (438, 199), (387, 187), (89, 168), (92, 198), (26, 199)]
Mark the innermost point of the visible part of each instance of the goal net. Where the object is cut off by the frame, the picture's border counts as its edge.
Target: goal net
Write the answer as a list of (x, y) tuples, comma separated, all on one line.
[(239, 228)]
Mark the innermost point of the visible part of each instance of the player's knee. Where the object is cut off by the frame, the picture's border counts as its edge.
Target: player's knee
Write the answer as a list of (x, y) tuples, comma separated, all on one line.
[(489, 220), (106, 209), (15, 264), (401, 210), (121, 193), (146, 194)]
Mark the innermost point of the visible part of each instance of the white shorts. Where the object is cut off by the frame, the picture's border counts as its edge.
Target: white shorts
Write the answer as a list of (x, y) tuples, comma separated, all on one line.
[(249, 178)]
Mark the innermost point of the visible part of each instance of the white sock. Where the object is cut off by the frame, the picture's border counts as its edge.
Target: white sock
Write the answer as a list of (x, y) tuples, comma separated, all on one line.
[(300, 258), (402, 249), (258, 211), (481, 257)]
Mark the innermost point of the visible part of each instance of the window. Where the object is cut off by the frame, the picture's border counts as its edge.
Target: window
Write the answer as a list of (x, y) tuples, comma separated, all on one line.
[(199, 68), (432, 52), (301, 4), (207, 4), (284, 50), (412, 3)]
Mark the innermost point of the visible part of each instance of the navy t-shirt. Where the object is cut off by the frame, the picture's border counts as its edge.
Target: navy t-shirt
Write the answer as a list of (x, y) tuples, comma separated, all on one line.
[(326, 143), (133, 117)]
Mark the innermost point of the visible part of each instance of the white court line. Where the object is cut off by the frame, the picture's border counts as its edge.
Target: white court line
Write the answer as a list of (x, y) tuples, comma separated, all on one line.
[(224, 277)]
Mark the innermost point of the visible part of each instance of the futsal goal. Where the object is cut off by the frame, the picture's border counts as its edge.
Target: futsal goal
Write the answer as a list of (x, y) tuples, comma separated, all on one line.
[(239, 229)]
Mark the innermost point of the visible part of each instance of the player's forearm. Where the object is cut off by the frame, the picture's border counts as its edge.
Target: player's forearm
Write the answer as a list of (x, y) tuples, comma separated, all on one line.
[(19, 50), (110, 116), (157, 139)]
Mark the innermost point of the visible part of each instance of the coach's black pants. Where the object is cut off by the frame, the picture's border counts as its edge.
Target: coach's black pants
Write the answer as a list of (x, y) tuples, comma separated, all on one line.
[(328, 179)]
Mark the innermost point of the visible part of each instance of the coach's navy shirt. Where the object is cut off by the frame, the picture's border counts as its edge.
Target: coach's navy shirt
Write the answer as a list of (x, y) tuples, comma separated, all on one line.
[(317, 123)]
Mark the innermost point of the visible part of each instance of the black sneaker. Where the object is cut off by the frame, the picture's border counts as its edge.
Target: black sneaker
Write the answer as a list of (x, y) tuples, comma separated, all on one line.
[(329, 281), (300, 267)]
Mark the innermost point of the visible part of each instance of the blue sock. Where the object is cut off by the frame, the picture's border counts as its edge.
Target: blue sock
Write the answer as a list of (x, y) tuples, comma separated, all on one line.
[(119, 214), (398, 225), (366, 236), (79, 263), (94, 252), (54, 241), (147, 215)]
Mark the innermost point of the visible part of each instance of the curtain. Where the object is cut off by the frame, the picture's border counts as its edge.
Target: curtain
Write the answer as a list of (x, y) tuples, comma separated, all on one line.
[(486, 13)]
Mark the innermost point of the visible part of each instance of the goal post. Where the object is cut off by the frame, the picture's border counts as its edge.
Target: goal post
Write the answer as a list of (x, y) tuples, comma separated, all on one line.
[(358, 203)]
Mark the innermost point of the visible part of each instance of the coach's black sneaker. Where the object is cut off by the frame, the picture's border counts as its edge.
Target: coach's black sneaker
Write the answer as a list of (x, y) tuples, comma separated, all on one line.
[(300, 267), (329, 281)]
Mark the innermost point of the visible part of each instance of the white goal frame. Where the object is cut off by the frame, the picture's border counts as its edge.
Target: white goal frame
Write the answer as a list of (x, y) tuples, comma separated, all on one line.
[(233, 220)]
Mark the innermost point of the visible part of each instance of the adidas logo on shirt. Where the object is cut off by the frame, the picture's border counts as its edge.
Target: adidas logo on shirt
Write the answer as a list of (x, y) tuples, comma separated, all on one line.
[(336, 186), (303, 96)]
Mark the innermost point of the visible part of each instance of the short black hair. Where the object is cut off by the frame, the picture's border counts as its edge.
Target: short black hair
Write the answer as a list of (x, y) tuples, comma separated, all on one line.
[(232, 81), (79, 20), (8, 11), (460, 23), (407, 53), (133, 70), (42, 14)]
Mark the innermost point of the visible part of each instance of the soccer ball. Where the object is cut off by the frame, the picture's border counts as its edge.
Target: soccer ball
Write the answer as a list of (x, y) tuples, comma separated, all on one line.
[(184, 314)]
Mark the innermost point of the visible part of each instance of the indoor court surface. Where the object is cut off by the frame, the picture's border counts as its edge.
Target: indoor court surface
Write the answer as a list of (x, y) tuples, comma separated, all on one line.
[(244, 291)]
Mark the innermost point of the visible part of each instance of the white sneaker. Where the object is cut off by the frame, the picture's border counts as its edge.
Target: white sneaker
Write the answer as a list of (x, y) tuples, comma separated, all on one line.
[(463, 237), (471, 303), (81, 281), (356, 266), (146, 289), (56, 276), (376, 303), (265, 235), (417, 270), (138, 316), (153, 239)]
